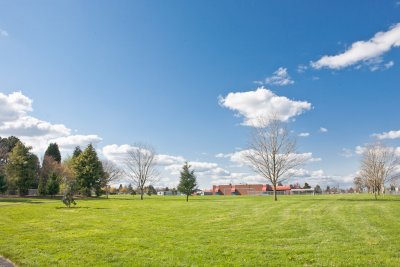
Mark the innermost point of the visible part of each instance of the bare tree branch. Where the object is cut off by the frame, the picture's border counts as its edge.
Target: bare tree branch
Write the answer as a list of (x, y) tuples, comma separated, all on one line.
[(272, 152), (140, 166)]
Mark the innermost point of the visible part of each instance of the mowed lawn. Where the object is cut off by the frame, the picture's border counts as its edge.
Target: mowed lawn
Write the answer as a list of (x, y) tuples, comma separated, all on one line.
[(332, 230)]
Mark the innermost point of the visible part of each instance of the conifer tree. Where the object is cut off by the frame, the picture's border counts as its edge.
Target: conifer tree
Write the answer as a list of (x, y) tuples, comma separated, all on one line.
[(188, 183), (89, 171), (54, 152)]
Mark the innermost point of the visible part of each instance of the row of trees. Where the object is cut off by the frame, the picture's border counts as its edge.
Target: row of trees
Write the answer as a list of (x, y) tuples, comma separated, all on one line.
[(83, 172), (21, 170)]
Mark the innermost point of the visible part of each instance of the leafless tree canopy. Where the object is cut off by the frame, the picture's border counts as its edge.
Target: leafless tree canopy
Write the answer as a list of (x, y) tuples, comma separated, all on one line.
[(140, 166), (112, 173), (272, 152), (378, 167)]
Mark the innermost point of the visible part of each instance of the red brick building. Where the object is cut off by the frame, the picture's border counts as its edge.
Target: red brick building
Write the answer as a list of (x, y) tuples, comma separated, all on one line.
[(249, 189)]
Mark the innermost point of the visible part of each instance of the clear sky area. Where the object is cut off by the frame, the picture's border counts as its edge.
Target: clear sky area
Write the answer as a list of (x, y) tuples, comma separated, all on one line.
[(190, 77)]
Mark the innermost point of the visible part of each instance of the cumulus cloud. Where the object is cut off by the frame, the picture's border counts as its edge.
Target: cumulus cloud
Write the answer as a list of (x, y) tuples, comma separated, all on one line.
[(13, 106), (323, 130), (239, 157), (387, 135), (262, 103), (280, 77), (71, 141), (362, 51), (15, 120)]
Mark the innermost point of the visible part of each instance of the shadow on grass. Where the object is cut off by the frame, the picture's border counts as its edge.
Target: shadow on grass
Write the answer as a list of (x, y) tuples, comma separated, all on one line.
[(79, 207), (71, 208)]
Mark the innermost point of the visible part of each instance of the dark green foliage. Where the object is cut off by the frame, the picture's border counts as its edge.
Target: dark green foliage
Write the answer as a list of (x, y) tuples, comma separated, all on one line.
[(187, 184), (42, 190), (130, 190), (21, 168), (6, 146), (306, 186), (3, 183), (53, 185), (88, 171), (77, 152), (318, 189), (54, 152), (68, 196), (150, 190)]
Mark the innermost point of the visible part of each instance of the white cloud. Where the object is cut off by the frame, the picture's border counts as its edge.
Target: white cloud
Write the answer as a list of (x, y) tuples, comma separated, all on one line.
[(262, 103), (362, 51), (71, 141), (389, 64), (3, 33), (347, 153), (323, 130), (304, 134), (13, 106), (280, 77), (239, 157), (359, 150), (165, 160), (387, 135), (301, 68), (15, 120)]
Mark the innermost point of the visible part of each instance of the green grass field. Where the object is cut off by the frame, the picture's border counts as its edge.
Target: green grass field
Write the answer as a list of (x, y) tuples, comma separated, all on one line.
[(333, 230)]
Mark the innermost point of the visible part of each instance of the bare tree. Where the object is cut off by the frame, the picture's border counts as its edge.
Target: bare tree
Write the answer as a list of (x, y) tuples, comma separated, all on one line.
[(378, 167), (272, 152), (140, 166), (112, 173)]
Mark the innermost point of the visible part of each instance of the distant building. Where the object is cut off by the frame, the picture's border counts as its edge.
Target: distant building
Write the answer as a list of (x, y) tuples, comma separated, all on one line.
[(165, 193), (249, 189)]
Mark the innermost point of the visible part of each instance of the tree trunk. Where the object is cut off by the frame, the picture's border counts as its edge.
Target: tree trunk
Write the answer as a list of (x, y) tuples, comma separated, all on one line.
[(187, 198), (275, 197), (107, 190), (141, 194)]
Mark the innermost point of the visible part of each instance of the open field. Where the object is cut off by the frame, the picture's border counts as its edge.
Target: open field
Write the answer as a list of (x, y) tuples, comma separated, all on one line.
[(332, 230)]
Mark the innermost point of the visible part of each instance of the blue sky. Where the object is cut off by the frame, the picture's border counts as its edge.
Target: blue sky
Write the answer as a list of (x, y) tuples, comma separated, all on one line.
[(120, 72)]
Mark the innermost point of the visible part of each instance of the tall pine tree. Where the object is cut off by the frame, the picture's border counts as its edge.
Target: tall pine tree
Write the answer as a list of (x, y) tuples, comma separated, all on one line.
[(89, 171), (54, 152), (187, 183)]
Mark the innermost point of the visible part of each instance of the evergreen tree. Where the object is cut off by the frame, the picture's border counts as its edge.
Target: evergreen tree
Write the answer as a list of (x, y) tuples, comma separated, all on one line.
[(68, 197), (88, 171), (318, 189), (21, 168), (187, 183), (53, 151), (3, 183), (151, 190), (306, 186), (77, 152), (53, 185)]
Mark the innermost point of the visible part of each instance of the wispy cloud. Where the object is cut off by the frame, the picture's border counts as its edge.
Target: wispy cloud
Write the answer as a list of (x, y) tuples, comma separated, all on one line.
[(280, 77), (362, 51)]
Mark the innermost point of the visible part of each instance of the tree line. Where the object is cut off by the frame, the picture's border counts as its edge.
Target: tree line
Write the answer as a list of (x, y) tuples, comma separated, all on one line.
[(82, 173)]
